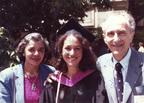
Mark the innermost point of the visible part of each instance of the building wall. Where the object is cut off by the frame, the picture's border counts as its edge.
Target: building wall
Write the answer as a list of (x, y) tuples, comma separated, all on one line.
[(95, 17)]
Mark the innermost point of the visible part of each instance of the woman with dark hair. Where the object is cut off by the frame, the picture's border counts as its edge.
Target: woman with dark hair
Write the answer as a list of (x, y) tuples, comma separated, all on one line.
[(23, 83), (77, 79), (88, 58)]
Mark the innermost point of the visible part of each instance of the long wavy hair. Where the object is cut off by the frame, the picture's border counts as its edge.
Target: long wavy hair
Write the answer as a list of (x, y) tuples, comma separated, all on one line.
[(88, 60)]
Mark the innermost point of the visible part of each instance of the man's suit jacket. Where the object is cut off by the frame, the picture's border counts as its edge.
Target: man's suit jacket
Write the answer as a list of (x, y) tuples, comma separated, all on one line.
[(12, 83), (134, 83)]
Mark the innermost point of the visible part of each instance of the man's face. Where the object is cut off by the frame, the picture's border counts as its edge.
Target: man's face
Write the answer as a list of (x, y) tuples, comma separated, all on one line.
[(118, 38)]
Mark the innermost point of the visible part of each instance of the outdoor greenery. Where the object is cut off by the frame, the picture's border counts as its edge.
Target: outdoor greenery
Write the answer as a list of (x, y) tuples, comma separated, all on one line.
[(18, 17), (7, 54)]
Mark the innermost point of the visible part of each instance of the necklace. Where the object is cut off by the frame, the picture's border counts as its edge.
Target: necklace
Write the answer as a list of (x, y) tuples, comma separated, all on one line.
[(33, 80), (33, 86)]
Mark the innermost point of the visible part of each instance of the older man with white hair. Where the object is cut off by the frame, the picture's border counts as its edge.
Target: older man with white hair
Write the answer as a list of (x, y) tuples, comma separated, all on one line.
[(122, 69)]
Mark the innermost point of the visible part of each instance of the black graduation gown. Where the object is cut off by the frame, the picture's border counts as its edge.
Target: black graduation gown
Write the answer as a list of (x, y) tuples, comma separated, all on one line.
[(84, 91)]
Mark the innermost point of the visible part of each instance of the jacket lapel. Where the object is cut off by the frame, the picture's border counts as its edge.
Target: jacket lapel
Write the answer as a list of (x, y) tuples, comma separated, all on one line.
[(111, 84), (108, 74), (19, 84), (133, 73)]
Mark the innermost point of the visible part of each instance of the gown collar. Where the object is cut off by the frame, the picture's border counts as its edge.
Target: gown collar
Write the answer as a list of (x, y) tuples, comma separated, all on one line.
[(71, 82)]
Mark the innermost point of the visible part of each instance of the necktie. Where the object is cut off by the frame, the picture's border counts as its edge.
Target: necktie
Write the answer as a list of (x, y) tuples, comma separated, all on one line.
[(119, 82)]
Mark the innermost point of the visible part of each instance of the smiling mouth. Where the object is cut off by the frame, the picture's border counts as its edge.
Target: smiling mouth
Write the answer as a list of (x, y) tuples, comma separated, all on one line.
[(36, 59), (72, 58), (117, 45)]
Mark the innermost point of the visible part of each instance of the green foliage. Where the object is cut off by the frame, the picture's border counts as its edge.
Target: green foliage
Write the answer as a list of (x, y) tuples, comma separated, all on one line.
[(41, 15), (7, 54), (20, 16)]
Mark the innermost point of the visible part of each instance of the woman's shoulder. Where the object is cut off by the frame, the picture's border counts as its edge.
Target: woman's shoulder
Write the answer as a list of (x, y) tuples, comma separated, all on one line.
[(96, 74), (92, 79), (45, 67), (8, 73)]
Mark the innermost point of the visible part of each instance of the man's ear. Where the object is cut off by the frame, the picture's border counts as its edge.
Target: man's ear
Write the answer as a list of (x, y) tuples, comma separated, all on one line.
[(132, 33), (105, 40)]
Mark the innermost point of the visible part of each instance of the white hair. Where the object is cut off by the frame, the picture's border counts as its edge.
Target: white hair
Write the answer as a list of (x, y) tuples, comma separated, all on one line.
[(119, 16)]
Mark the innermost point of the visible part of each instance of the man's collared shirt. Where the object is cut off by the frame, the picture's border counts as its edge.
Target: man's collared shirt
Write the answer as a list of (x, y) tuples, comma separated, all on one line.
[(124, 62)]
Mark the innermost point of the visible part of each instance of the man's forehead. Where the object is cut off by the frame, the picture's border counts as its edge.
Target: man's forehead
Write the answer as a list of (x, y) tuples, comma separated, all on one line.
[(116, 20), (117, 26)]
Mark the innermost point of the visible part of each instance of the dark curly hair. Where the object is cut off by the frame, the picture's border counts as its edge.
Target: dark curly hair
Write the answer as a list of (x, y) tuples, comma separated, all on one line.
[(35, 37), (88, 60)]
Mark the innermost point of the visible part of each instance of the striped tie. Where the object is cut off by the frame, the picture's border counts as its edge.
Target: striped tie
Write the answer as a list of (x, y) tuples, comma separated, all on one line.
[(119, 82)]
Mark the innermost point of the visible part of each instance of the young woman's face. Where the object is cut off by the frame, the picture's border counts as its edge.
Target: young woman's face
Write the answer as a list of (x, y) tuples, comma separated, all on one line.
[(72, 51), (34, 52)]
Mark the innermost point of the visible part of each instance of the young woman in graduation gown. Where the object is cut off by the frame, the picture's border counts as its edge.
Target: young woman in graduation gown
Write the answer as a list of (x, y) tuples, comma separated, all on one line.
[(77, 79)]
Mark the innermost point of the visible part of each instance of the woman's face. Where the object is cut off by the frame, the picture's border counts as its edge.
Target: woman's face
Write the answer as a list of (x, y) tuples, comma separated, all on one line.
[(34, 52), (72, 51)]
